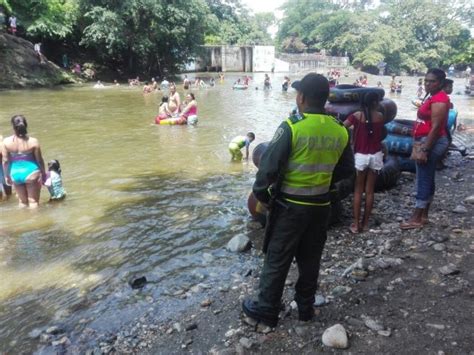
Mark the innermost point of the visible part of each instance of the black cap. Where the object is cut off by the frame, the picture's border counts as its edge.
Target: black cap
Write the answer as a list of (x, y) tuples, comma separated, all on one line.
[(313, 86)]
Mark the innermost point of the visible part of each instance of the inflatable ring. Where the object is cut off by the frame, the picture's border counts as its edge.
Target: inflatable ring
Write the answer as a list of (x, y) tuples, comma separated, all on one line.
[(388, 176), (405, 127), (258, 152), (398, 144), (240, 87), (351, 93), (257, 210), (172, 121), (342, 110), (402, 129), (406, 164)]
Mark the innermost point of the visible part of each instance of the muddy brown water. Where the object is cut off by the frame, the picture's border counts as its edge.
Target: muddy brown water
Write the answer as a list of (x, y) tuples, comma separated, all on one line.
[(142, 199)]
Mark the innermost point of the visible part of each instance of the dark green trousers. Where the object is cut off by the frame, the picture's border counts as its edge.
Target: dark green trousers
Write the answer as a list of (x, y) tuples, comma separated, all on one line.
[(297, 232)]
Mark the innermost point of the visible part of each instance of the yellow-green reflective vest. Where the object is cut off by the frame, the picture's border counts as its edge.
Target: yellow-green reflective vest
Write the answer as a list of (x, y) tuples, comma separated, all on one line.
[(317, 143)]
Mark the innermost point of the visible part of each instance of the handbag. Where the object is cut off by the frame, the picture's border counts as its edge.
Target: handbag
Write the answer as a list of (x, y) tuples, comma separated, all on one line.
[(417, 152)]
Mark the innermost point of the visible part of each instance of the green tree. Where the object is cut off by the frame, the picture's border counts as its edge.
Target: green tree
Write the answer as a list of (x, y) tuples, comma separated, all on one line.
[(150, 36), (406, 34), (47, 19), (231, 23)]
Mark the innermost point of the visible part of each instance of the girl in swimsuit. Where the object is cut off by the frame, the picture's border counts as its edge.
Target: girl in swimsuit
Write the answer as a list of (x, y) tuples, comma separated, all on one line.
[(23, 163)]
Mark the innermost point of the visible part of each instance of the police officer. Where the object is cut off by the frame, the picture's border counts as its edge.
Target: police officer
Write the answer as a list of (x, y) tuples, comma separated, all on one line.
[(300, 161)]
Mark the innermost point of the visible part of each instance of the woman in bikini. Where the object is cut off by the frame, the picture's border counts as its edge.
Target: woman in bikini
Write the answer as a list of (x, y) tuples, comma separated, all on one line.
[(23, 163)]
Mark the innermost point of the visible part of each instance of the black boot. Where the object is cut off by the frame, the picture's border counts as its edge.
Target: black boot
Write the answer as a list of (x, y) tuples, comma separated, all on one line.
[(252, 310), (305, 312)]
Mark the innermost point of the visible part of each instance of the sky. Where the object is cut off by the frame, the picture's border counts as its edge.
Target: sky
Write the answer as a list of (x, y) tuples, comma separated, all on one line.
[(263, 5), (266, 6)]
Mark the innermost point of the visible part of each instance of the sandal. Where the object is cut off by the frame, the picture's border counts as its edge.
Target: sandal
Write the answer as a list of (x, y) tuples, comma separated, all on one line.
[(354, 229), (411, 225)]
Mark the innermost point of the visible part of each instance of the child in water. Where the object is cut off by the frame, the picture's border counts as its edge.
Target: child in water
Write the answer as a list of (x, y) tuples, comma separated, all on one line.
[(238, 143), (419, 89), (163, 110), (367, 140), (54, 182)]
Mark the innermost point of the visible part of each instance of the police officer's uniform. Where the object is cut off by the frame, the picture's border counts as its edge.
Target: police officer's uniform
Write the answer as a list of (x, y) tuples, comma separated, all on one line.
[(303, 154)]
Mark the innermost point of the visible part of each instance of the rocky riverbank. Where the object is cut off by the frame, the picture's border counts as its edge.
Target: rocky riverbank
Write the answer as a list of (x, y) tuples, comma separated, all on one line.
[(392, 291), (20, 67)]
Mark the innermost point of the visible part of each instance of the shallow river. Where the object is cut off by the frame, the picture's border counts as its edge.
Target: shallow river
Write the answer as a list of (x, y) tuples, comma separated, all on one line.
[(142, 199)]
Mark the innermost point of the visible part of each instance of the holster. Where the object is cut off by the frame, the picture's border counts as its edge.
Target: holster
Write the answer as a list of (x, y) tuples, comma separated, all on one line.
[(268, 227)]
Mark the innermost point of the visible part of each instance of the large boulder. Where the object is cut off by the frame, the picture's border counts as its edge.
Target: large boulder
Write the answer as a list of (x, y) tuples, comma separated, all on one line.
[(20, 67)]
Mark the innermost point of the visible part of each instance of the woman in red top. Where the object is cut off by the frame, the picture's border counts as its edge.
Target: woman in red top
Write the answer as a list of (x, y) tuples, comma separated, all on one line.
[(430, 129), (367, 139)]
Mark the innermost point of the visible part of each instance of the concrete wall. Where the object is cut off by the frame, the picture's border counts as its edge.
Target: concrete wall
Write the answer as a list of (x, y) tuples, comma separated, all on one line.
[(233, 59), (263, 58), (316, 62), (281, 66)]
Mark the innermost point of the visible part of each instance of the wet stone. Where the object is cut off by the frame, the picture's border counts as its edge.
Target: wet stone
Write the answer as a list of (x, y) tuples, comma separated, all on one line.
[(469, 199), (64, 341), (439, 238), (460, 209), (35, 333), (439, 247), (191, 326), (206, 303), (246, 342), (335, 337), (177, 327), (373, 324), (54, 330), (45, 338), (137, 282), (340, 291), (354, 322), (449, 269), (239, 243), (319, 301), (384, 333), (359, 275)]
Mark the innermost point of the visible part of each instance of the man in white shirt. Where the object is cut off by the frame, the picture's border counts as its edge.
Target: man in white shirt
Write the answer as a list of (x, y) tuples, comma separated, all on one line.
[(12, 22), (37, 48)]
